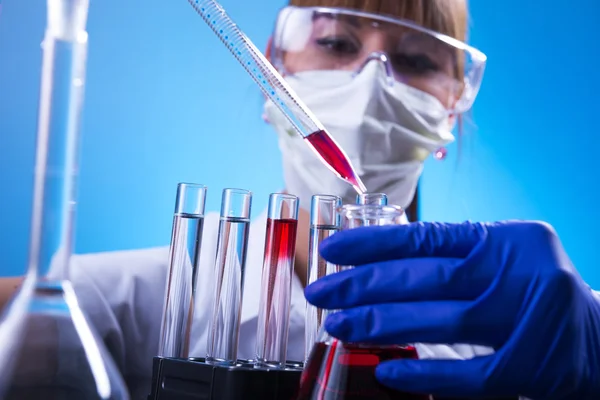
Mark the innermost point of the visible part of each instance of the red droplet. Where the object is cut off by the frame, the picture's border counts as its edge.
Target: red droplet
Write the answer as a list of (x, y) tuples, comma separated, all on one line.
[(440, 154)]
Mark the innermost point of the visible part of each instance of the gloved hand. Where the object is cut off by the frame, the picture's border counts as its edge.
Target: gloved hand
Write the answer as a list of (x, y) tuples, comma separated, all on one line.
[(509, 286)]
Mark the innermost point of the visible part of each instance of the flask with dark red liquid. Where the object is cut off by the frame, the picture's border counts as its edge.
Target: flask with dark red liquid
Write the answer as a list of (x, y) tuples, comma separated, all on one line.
[(337, 370)]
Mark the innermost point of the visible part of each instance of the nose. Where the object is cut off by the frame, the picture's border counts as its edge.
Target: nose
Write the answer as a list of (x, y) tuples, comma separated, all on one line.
[(383, 60)]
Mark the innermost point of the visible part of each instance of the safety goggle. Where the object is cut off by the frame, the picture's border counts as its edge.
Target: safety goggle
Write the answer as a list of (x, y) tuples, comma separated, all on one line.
[(323, 38)]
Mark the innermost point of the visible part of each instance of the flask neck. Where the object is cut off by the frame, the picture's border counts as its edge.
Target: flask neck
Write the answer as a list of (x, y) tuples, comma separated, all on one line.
[(57, 149)]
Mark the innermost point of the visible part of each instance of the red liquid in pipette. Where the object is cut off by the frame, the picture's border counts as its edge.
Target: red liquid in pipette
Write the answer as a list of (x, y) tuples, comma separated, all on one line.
[(339, 371), (331, 153), (280, 246)]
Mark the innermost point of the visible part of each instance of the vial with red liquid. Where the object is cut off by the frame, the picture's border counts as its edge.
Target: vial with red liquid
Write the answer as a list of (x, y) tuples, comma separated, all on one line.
[(336, 370), (276, 286)]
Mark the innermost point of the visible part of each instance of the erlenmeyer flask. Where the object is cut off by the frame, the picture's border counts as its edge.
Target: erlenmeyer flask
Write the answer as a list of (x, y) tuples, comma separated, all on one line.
[(337, 370), (50, 350)]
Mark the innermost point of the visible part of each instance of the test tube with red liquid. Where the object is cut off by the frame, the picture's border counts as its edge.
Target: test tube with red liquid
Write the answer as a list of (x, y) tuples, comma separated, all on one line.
[(184, 258), (230, 266), (342, 371), (324, 222), (276, 288)]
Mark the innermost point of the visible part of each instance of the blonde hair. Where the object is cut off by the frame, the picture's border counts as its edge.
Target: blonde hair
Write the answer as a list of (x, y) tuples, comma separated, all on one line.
[(445, 16)]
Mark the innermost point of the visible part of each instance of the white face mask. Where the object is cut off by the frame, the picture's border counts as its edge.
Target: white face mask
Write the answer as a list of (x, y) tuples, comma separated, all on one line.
[(386, 131)]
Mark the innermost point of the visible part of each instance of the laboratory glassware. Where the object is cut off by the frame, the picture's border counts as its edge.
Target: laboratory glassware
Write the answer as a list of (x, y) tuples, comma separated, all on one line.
[(278, 91), (276, 286), (324, 222), (336, 370), (54, 350), (184, 259), (230, 267), (379, 199)]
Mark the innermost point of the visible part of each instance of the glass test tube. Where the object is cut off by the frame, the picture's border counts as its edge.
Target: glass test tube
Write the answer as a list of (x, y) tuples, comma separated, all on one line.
[(324, 222), (230, 266), (184, 257), (378, 199), (276, 288)]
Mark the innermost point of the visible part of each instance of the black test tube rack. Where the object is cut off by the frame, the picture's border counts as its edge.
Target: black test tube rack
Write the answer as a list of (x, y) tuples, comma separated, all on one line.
[(193, 379)]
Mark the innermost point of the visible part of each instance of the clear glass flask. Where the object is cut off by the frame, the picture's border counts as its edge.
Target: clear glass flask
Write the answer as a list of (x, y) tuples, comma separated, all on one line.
[(184, 257), (50, 349), (324, 222), (276, 285), (337, 370), (230, 267)]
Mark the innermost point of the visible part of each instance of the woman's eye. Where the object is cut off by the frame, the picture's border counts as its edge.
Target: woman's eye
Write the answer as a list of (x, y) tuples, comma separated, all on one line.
[(416, 63), (338, 45)]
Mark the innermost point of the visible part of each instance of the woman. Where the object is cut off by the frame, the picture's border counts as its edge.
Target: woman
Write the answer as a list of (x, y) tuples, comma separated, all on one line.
[(388, 83), (388, 118)]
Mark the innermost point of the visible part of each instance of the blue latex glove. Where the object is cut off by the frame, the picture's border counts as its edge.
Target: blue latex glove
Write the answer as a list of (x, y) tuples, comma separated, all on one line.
[(509, 286)]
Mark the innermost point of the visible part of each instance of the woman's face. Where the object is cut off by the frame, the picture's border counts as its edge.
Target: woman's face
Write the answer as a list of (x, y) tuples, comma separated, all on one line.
[(342, 42)]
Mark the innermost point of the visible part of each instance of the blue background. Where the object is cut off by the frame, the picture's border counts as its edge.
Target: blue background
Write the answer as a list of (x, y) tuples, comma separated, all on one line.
[(165, 103)]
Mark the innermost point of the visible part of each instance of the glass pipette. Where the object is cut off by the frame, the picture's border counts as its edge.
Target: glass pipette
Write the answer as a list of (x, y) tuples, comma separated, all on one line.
[(278, 91)]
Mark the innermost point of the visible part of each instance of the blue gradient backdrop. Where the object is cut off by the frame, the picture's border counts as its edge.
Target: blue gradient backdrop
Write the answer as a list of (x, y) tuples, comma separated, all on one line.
[(166, 103)]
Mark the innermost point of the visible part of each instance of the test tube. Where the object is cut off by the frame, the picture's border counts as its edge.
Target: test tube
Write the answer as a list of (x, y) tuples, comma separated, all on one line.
[(324, 222), (230, 266), (276, 288), (376, 199), (184, 257)]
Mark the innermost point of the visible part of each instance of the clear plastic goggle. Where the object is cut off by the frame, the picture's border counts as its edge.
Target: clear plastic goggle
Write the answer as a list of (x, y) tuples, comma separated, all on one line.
[(323, 38)]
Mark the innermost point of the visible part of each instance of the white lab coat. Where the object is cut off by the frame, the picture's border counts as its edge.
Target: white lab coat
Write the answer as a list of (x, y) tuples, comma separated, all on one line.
[(123, 292)]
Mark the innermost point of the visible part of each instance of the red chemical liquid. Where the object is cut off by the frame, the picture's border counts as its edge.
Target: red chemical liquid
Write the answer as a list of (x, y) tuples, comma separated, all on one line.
[(339, 371), (331, 153), (280, 247)]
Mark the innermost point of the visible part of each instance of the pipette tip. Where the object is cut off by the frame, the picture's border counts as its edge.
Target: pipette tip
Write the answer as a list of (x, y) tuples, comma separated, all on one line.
[(358, 185)]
